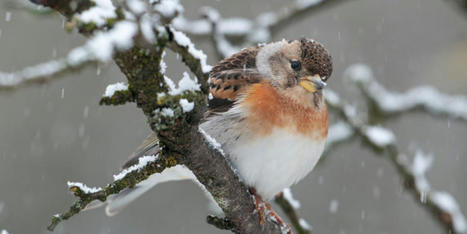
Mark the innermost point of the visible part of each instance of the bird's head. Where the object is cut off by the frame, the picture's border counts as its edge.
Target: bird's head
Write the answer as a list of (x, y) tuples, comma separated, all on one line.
[(303, 64)]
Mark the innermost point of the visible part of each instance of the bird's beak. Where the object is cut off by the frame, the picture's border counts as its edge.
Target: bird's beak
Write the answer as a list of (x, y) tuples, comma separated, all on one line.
[(312, 83)]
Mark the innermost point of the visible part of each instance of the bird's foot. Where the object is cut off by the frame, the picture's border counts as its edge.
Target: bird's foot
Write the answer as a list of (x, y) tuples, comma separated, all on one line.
[(275, 217), (263, 208)]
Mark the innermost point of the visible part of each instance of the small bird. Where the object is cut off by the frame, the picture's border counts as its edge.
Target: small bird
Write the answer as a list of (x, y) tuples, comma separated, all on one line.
[(268, 113)]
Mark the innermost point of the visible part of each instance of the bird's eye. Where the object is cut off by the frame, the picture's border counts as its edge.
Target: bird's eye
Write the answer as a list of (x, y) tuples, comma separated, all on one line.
[(295, 65)]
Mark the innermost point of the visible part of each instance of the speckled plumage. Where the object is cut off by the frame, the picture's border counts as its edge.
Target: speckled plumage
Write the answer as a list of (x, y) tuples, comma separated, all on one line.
[(271, 125)]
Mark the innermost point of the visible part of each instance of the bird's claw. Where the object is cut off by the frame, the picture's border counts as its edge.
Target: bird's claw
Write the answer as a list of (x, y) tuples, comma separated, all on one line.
[(264, 209)]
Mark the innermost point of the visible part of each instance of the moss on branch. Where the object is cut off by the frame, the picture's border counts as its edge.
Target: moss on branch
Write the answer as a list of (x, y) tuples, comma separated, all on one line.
[(118, 98)]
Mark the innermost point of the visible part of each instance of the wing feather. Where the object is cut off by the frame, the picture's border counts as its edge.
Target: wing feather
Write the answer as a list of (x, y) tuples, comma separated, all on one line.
[(231, 77)]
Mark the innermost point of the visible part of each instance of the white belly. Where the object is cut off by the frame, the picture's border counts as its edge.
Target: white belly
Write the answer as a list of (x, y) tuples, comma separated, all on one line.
[(277, 161)]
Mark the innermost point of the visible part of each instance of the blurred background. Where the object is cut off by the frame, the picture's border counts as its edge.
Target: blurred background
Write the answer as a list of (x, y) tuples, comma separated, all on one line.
[(57, 132)]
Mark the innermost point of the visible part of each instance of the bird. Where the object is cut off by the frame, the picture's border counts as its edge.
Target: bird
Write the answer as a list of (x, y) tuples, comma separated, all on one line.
[(267, 111)]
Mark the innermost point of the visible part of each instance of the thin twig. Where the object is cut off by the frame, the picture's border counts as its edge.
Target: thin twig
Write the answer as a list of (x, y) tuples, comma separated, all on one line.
[(389, 148), (425, 98), (129, 180), (298, 223)]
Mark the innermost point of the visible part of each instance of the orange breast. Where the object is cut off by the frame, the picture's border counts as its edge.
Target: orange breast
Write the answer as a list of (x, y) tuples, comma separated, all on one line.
[(269, 109)]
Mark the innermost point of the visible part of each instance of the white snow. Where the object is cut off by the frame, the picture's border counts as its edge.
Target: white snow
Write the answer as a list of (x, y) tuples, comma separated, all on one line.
[(99, 13), (83, 187), (146, 26), (287, 193), (305, 224), (333, 206), (169, 8), (195, 27), (331, 97), (183, 40), (234, 26), (301, 4), (212, 142), (120, 37), (186, 105), (78, 55), (359, 72), (448, 204), (379, 136), (4, 232), (136, 6), (185, 84), (112, 88), (421, 163), (28, 73), (224, 46), (259, 35), (339, 132), (266, 19), (426, 97), (167, 112), (420, 166), (142, 162), (163, 65), (8, 16), (102, 45)]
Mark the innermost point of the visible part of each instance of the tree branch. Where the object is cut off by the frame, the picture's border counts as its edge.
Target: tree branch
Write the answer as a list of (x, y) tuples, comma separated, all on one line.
[(139, 58), (385, 103), (178, 132), (290, 209), (382, 141), (129, 180)]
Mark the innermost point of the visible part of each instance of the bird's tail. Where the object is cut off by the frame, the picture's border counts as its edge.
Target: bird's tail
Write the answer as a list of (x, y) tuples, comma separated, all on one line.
[(116, 203)]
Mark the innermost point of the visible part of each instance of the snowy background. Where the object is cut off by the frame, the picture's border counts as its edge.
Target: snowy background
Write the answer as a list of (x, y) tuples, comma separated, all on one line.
[(57, 132)]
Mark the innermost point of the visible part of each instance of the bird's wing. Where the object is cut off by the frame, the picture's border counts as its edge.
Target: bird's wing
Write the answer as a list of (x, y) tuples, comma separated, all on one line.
[(231, 77), (150, 146)]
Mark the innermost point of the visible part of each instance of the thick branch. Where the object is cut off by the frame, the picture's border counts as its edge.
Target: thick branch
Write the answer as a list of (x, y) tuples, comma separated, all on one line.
[(178, 132)]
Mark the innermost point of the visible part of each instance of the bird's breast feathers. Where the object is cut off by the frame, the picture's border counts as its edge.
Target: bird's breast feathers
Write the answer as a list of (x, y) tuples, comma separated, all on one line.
[(272, 139)]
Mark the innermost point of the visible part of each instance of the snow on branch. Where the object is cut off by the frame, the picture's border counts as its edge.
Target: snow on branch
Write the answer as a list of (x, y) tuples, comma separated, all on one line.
[(142, 162), (99, 47), (74, 186), (255, 31), (112, 88), (425, 98), (290, 206), (128, 178), (174, 118), (441, 205)]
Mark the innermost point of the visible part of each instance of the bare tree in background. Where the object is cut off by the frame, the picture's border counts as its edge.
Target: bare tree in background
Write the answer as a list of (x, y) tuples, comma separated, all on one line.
[(135, 33)]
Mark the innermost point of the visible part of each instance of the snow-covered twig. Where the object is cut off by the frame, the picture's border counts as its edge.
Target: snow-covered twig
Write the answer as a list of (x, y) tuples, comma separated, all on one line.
[(40, 73), (129, 178), (177, 126), (440, 205), (290, 206), (251, 32), (426, 98), (99, 47)]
